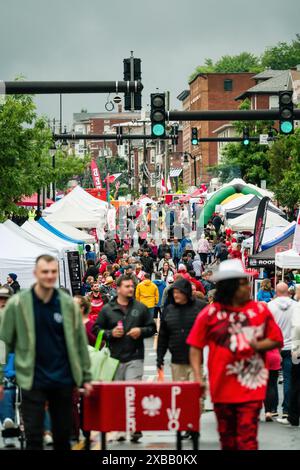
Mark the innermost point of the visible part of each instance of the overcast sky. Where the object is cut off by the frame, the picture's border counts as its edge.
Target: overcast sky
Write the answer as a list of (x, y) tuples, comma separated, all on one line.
[(87, 40)]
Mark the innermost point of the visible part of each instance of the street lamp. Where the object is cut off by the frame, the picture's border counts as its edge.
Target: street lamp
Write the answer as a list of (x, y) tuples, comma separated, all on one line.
[(64, 144), (186, 157), (52, 152)]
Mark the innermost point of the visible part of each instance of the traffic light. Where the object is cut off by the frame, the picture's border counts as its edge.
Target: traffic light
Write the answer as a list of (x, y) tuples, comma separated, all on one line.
[(158, 115), (119, 135), (137, 75), (194, 136), (286, 112), (174, 134), (246, 136)]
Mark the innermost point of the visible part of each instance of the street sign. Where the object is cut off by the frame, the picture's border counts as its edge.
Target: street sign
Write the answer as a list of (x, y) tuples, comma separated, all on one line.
[(263, 139)]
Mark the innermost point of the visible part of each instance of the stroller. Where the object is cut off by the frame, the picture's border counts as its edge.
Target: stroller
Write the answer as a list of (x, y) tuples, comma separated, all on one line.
[(11, 385)]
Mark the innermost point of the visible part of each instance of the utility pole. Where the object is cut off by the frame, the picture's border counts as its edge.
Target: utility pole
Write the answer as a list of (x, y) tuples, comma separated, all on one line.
[(132, 79), (167, 165), (129, 163), (144, 160)]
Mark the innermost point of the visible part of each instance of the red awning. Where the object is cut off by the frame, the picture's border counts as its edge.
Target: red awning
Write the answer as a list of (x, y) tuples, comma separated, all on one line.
[(31, 201)]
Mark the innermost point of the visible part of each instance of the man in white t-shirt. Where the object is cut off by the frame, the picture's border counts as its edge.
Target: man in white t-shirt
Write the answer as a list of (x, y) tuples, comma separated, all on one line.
[(283, 308)]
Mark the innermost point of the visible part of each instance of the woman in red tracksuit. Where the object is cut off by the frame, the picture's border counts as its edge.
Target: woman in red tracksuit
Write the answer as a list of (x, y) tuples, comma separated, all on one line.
[(238, 332)]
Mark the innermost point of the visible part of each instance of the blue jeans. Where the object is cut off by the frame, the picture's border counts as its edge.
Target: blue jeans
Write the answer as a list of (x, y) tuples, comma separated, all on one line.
[(7, 405), (286, 371), (151, 311)]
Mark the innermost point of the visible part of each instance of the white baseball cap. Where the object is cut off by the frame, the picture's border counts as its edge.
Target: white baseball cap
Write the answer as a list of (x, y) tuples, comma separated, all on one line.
[(230, 269)]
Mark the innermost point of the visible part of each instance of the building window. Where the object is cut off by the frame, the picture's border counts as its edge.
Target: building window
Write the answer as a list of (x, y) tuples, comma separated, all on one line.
[(132, 162), (152, 180), (228, 85), (273, 102), (152, 156)]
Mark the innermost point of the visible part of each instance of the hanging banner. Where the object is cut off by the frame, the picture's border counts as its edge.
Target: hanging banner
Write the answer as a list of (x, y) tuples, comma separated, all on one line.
[(260, 223), (111, 219), (96, 175), (296, 240)]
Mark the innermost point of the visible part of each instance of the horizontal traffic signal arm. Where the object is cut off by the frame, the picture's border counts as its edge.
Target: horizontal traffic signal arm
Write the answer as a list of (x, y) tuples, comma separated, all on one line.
[(147, 137), (230, 115), (44, 88)]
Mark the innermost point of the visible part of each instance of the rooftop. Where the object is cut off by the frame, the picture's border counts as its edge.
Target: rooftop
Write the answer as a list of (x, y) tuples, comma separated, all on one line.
[(279, 82), (268, 73)]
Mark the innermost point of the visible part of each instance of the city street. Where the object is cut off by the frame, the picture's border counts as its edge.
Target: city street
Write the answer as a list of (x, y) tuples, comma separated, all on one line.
[(149, 227), (272, 436)]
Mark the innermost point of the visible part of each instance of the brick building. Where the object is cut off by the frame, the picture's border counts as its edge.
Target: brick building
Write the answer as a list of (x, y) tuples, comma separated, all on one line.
[(137, 152), (211, 91)]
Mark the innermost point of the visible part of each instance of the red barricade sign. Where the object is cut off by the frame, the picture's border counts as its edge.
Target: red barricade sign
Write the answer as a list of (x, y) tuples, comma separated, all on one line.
[(134, 406)]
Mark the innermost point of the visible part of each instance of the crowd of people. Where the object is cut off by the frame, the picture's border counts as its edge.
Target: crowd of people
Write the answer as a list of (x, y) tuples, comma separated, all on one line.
[(191, 295)]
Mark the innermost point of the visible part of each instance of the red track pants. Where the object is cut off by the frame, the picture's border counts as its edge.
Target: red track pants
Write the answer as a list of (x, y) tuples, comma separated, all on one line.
[(238, 424)]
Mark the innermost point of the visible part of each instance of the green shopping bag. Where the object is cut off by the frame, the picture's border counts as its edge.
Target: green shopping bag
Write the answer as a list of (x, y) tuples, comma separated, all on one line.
[(103, 367)]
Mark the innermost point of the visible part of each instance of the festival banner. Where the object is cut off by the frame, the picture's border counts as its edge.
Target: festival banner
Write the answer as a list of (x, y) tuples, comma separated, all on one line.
[(260, 223), (296, 240), (96, 175)]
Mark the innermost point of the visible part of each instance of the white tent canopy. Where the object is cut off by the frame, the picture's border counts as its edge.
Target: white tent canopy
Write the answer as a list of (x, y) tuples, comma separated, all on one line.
[(73, 232), (236, 203), (246, 222), (18, 255), (270, 234), (47, 237), (76, 215), (78, 197), (28, 236), (287, 260), (145, 200)]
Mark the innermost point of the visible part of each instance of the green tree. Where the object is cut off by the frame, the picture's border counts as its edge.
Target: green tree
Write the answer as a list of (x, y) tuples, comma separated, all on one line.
[(25, 162), (243, 62), (285, 169), (282, 56), (249, 162)]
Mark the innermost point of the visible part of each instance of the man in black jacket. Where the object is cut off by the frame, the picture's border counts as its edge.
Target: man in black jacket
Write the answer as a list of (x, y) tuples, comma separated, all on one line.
[(178, 319), (147, 263), (126, 322), (163, 249), (176, 323)]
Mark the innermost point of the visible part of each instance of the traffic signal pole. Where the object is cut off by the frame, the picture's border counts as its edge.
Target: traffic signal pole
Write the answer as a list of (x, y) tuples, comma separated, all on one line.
[(113, 137), (229, 115), (45, 88)]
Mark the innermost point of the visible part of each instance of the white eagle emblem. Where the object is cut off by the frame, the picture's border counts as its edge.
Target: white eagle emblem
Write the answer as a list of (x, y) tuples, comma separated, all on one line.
[(151, 405)]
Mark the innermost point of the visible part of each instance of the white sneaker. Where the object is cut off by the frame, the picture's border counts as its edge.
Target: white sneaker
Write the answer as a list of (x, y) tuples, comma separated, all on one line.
[(284, 421), (48, 440), (9, 442), (8, 423)]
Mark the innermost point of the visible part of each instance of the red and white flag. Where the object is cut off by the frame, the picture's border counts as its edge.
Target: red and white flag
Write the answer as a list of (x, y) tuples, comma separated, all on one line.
[(169, 186), (112, 178), (163, 185)]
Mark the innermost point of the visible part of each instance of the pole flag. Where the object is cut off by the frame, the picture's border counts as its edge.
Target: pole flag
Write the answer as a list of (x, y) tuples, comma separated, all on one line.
[(296, 240), (169, 186), (163, 184), (260, 223), (112, 178), (96, 175)]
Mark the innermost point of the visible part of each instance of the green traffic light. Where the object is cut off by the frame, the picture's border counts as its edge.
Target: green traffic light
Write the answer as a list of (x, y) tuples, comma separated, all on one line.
[(286, 127), (246, 141), (158, 129), (194, 141)]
